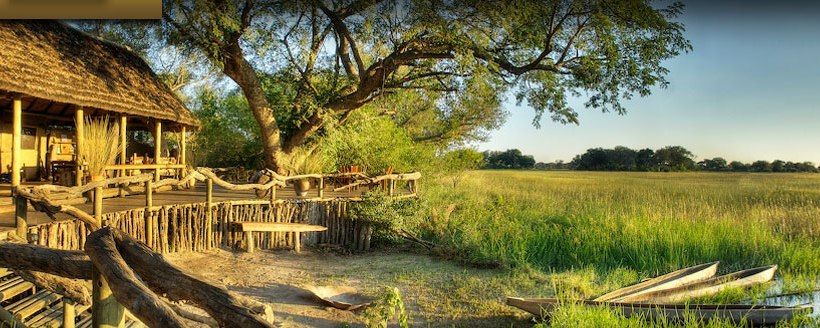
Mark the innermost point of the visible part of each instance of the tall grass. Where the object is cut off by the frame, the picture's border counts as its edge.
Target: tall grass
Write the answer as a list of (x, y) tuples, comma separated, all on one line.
[(650, 223), (101, 144)]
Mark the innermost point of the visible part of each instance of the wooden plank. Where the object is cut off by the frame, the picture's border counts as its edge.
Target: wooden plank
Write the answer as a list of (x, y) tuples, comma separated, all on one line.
[(277, 227), (31, 305), (51, 317), (14, 287)]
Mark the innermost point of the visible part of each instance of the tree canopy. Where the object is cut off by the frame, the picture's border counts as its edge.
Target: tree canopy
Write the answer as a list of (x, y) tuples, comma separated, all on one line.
[(439, 69)]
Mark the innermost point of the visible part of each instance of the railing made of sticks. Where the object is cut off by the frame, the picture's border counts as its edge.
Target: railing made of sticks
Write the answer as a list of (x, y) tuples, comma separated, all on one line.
[(56, 199)]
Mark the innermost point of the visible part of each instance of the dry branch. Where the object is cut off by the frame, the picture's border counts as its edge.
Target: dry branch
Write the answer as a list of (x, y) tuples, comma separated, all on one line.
[(373, 180), (70, 288), (69, 264), (126, 287), (73, 289), (42, 203), (165, 278), (243, 187)]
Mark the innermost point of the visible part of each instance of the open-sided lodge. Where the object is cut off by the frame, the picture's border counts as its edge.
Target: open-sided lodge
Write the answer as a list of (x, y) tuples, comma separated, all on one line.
[(52, 76)]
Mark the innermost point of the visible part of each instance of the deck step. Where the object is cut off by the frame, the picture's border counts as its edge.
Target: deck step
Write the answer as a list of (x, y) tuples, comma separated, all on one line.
[(51, 317), (85, 322), (14, 287), (28, 306)]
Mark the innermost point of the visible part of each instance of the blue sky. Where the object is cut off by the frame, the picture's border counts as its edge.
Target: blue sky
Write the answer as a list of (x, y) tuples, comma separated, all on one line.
[(749, 90)]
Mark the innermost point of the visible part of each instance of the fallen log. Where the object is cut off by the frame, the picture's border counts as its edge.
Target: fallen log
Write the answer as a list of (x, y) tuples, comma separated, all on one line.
[(166, 279), (73, 289), (126, 287), (69, 264)]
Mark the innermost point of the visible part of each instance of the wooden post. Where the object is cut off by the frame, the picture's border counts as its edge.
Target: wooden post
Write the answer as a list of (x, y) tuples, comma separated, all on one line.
[(123, 155), (390, 185), (105, 311), (321, 187), (149, 203), (249, 240), (69, 313), (17, 133), (209, 215), (157, 147), (79, 121), (21, 216), (297, 242), (183, 146), (272, 194)]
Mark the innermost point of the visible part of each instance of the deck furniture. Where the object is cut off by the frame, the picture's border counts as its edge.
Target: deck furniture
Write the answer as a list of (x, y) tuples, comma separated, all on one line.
[(295, 229)]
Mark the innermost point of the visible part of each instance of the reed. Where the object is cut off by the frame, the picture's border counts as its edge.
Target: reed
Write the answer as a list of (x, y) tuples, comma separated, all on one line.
[(651, 223), (101, 144)]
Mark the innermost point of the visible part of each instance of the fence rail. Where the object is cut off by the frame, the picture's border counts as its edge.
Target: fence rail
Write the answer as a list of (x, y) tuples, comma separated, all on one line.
[(200, 225)]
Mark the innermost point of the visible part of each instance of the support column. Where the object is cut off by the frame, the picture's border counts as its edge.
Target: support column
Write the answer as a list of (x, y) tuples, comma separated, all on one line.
[(157, 147), (183, 142), (16, 133), (149, 222), (183, 146), (123, 155), (209, 215), (21, 216), (79, 121), (106, 312)]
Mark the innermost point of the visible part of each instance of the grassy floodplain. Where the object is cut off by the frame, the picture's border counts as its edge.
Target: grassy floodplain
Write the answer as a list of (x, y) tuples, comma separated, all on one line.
[(596, 231)]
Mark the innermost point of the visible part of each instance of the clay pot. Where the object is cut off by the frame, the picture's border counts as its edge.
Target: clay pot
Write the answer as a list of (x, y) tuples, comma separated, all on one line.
[(301, 187)]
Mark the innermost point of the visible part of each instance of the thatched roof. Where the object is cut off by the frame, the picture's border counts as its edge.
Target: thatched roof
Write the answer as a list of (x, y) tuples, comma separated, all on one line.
[(48, 60)]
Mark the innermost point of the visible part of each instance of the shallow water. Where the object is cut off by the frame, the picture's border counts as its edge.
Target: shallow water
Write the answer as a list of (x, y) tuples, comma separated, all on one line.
[(811, 298)]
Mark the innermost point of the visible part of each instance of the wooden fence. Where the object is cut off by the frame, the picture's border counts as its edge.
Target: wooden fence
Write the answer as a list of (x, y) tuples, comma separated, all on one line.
[(192, 227), (188, 228)]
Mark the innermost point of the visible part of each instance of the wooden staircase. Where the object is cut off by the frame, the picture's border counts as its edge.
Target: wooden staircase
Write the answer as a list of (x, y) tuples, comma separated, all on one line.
[(24, 305)]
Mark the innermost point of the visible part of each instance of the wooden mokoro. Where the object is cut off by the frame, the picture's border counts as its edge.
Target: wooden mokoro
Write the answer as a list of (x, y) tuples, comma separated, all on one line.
[(706, 287), (756, 315), (670, 280), (340, 297)]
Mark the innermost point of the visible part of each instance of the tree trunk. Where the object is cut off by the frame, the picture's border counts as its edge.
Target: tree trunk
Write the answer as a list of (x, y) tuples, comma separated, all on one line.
[(240, 71)]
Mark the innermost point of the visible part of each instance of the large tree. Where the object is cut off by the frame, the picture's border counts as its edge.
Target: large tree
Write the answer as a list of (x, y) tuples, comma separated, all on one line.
[(442, 67)]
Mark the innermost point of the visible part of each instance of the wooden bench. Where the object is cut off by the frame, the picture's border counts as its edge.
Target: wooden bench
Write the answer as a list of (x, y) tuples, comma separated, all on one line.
[(294, 228)]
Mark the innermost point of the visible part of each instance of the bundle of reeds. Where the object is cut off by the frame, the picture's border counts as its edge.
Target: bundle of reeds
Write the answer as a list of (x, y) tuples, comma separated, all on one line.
[(101, 145)]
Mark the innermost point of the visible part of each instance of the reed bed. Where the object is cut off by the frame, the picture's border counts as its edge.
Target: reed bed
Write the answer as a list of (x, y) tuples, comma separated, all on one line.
[(649, 223)]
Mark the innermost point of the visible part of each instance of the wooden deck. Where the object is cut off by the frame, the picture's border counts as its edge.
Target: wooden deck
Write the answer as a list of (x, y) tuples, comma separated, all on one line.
[(170, 197)]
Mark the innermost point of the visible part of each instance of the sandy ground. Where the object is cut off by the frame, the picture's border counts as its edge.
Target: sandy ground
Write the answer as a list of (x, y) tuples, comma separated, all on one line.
[(277, 277), (274, 278)]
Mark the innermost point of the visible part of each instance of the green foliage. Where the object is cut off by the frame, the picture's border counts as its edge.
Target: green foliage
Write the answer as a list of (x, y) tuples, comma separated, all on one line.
[(228, 135), (509, 159), (389, 306), (456, 162), (375, 142), (386, 214)]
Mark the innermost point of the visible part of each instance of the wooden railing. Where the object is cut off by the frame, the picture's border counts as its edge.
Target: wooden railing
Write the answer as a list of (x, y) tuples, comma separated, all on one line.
[(53, 199)]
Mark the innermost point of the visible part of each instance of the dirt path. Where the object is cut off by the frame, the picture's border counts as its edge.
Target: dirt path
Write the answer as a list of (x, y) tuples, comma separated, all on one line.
[(435, 292)]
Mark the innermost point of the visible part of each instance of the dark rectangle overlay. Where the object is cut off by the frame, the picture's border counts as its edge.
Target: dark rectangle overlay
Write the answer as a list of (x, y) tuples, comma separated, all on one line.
[(80, 9)]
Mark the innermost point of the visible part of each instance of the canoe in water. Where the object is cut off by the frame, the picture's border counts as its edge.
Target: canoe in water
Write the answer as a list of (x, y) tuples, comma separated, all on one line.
[(756, 315), (668, 281), (706, 287)]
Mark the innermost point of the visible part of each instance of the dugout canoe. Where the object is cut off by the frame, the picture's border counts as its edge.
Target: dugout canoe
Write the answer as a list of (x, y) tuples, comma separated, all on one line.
[(706, 287), (340, 297), (755, 315), (668, 281)]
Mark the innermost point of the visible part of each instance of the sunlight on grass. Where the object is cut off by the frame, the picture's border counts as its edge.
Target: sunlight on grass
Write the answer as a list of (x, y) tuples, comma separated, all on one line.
[(592, 232)]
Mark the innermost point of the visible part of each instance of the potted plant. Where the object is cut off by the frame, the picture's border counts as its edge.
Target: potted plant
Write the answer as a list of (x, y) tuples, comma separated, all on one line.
[(101, 146), (302, 161)]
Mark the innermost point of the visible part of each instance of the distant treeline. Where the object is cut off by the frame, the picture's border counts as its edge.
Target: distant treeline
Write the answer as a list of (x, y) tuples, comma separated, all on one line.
[(666, 159)]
